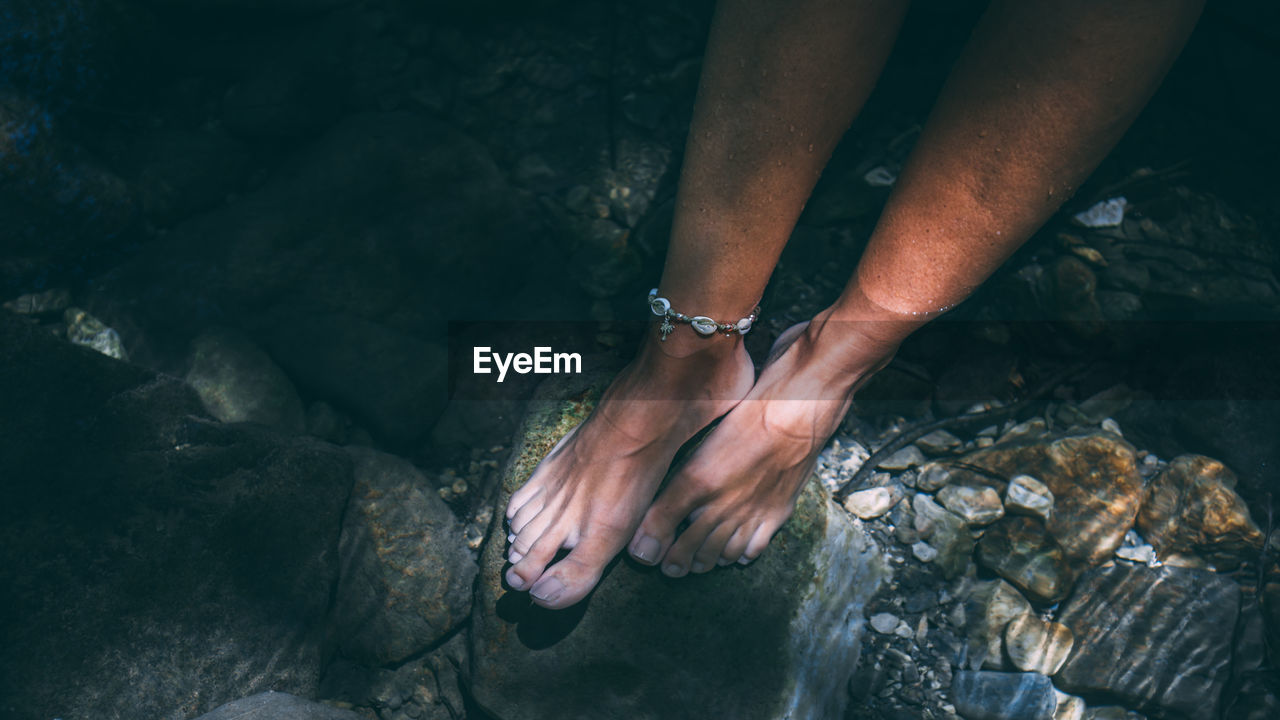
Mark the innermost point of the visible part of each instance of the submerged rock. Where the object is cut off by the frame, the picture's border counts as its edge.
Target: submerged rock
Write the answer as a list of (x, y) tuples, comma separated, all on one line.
[(278, 706), (87, 330), (1193, 507), (1093, 478), (1157, 639), (1019, 550), (238, 382), (989, 609), (947, 532), (164, 563), (1028, 496), (1003, 696), (776, 639), (1036, 645), (407, 573), (978, 506)]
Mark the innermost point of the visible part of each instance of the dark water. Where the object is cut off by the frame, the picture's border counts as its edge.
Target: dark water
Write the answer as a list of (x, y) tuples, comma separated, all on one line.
[(320, 208)]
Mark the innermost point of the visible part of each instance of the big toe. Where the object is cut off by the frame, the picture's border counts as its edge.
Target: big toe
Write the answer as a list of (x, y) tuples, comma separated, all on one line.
[(570, 580)]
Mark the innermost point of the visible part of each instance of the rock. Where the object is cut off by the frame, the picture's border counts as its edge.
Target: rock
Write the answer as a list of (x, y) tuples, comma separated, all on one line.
[(947, 532), (1144, 554), (1019, 550), (1003, 696), (1070, 707), (87, 330), (165, 563), (802, 599), (407, 573), (989, 609), (238, 382), (933, 477), (41, 303), (183, 172), (277, 706), (938, 442), (1193, 507), (884, 623), (326, 423), (1036, 645), (978, 506), (1135, 641), (872, 503), (924, 552), (1028, 496), (1032, 429), (1093, 478), (1111, 712), (1075, 296), (904, 459)]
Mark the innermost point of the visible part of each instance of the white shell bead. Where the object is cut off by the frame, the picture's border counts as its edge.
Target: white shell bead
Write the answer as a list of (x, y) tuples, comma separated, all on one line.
[(744, 325), (659, 305), (703, 325)]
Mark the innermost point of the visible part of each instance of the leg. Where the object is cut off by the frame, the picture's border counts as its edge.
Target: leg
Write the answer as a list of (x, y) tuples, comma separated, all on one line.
[(1042, 92), (781, 83)]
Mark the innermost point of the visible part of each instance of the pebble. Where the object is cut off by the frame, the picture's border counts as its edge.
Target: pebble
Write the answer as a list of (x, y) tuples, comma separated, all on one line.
[(904, 459), (1003, 696), (1033, 428), (1036, 645), (1192, 507), (1070, 707), (1137, 553), (1112, 426), (946, 531), (978, 506), (938, 442), (924, 552), (1028, 496), (85, 329), (1022, 552), (872, 503), (884, 623), (933, 477)]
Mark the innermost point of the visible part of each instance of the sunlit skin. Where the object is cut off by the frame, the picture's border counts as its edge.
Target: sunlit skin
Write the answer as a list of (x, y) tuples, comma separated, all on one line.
[(1040, 94)]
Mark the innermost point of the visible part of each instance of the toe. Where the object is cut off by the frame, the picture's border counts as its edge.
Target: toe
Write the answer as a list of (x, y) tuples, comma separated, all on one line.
[(534, 529), (520, 498), (737, 544), (658, 527), (712, 548), (679, 559), (528, 512), (571, 579), (523, 574), (760, 540)]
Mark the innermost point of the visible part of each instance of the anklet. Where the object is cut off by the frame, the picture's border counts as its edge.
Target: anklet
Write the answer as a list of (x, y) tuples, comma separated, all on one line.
[(701, 324)]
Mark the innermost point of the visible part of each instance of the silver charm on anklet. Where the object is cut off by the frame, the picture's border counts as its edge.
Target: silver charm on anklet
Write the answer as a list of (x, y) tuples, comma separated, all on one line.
[(701, 324)]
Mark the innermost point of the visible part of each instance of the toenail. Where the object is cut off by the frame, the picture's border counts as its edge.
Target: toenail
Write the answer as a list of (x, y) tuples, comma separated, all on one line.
[(744, 560), (699, 567), (515, 580), (511, 537), (548, 590), (647, 549), (515, 556), (673, 570), (722, 562)]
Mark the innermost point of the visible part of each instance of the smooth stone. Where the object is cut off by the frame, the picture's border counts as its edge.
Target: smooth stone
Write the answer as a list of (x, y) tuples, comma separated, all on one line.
[(1156, 639), (924, 552), (1094, 480), (87, 330), (55, 300), (904, 459), (1032, 429), (871, 503), (1028, 496), (238, 382), (884, 623), (273, 705), (946, 531), (978, 506), (802, 600), (1070, 707), (985, 695), (1019, 550), (1144, 554), (988, 609), (407, 569), (1036, 645), (933, 477), (938, 442), (1192, 506)]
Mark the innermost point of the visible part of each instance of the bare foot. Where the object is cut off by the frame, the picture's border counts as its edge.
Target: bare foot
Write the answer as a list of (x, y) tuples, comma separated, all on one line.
[(588, 494), (740, 485)]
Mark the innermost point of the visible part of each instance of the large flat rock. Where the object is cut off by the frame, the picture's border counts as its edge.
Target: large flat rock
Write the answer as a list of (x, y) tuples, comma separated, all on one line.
[(1158, 639), (156, 563), (776, 639)]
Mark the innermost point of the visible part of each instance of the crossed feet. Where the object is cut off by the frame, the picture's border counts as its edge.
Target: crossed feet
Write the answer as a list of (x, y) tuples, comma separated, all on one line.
[(594, 492)]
